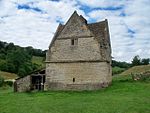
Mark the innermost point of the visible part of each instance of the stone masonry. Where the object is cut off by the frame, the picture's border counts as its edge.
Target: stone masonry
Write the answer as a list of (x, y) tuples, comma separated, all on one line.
[(79, 56)]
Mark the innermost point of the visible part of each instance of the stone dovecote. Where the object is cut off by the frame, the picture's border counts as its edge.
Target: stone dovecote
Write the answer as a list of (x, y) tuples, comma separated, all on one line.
[(79, 56)]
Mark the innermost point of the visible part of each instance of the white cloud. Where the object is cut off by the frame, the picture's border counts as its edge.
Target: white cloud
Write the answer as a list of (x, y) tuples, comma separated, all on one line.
[(136, 18), (103, 3), (27, 27), (129, 24)]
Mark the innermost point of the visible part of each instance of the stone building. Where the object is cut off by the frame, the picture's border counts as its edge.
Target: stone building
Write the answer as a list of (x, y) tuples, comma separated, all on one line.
[(34, 81), (79, 56)]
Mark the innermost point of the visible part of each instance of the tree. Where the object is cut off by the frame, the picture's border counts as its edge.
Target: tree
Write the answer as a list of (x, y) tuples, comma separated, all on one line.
[(29, 49), (18, 59), (145, 61), (22, 72), (10, 46), (120, 64), (136, 61)]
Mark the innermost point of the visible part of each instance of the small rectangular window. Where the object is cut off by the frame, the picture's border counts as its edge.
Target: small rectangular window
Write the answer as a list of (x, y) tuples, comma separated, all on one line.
[(73, 79), (74, 41)]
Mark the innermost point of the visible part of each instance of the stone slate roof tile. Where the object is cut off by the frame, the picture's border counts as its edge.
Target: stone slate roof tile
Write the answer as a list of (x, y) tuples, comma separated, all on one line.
[(59, 29), (98, 30)]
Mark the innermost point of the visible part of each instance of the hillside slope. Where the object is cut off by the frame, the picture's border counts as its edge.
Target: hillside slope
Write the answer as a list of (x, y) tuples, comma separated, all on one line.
[(7, 75), (38, 60), (137, 69), (35, 59)]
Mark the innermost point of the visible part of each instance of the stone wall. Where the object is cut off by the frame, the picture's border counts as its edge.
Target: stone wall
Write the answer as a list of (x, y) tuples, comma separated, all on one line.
[(84, 65), (23, 84), (87, 49), (86, 75), (75, 27)]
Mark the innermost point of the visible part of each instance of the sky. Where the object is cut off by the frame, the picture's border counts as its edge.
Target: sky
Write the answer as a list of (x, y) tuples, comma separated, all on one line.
[(34, 22)]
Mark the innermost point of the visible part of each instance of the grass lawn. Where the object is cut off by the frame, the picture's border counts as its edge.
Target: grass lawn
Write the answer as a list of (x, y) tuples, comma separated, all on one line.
[(123, 96)]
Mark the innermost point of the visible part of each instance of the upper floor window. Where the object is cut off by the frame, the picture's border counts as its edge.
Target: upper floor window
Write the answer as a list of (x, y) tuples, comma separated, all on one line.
[(74, 41)]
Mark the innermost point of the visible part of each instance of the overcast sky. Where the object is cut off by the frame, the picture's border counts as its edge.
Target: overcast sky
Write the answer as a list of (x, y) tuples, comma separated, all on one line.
[(33, 22)]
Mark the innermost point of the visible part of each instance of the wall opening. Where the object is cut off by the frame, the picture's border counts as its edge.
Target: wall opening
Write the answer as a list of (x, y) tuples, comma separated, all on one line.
[(37, 82), (73, 79), (72, 41)]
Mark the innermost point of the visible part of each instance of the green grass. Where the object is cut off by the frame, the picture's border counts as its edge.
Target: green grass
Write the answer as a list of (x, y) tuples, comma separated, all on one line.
[(123, 96)]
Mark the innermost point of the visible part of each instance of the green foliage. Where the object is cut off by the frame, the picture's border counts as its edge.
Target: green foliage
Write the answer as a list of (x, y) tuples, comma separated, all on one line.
[(3, 65), (17, 59), (1, 81), (138, 61), (6, 47), (9, 67), (22, 72), (117, 70), (9, 83), (120, 64), (2, 56), (38, 61), (145, 61)]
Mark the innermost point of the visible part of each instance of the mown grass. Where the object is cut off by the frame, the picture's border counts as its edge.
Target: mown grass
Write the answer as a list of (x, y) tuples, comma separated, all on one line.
[(123, 96)]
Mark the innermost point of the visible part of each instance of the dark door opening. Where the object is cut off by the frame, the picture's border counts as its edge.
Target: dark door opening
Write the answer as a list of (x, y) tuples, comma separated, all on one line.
[(37, 82)]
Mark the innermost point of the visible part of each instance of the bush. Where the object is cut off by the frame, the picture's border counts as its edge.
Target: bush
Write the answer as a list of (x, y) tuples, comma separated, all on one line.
[(141, 76), (9, 83), (117, 70), (1, 81)]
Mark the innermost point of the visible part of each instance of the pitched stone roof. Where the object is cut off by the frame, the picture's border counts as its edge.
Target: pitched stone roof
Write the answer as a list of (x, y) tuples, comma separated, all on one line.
[(59, 29), (98, 30)]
